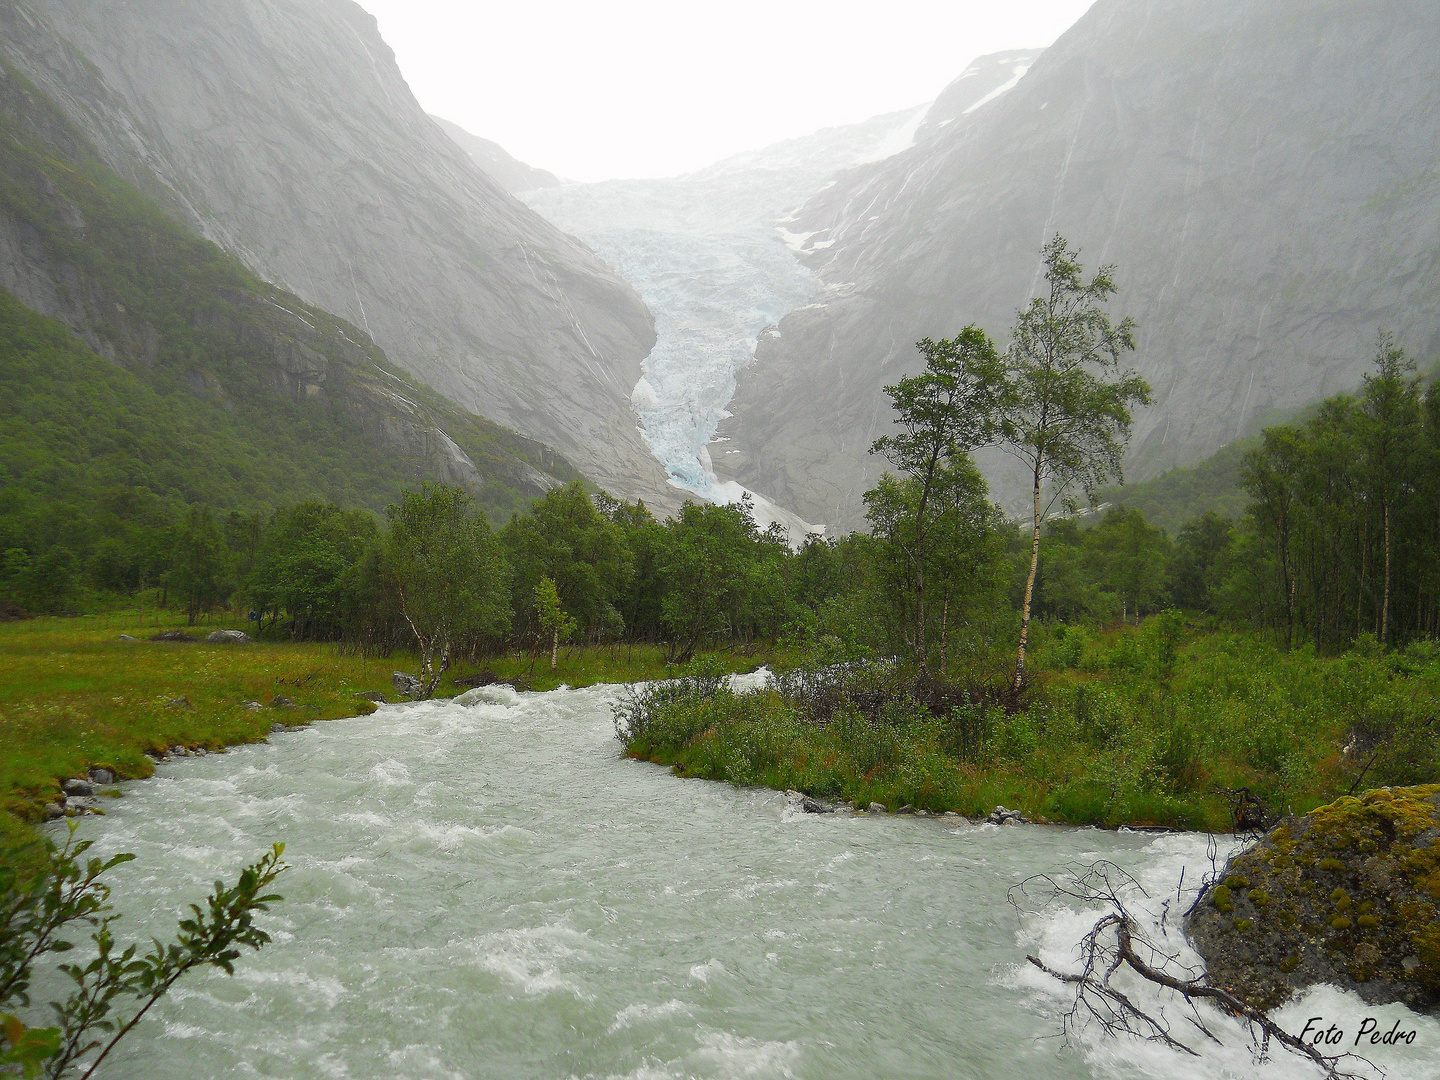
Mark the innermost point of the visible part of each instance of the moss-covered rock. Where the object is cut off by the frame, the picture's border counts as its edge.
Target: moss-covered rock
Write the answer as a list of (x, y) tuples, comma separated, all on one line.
[(1347, 894)]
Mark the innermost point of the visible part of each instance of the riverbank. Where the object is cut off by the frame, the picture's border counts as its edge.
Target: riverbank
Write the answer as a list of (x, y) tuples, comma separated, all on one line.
[(1126, 728), (76, 695)]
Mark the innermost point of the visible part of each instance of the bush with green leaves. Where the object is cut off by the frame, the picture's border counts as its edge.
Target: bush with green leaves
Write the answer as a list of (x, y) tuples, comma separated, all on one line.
[(46, 893)]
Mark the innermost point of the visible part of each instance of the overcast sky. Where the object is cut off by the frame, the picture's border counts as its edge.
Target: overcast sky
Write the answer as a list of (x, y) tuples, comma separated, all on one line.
[(593, 90)]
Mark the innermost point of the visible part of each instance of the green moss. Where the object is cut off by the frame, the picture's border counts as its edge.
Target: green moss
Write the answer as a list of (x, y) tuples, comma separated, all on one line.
[(1243, 924), (1340, 898), (1221, 899), (1237, 881), (1258, 897), (1339, 922), (1331, 864), (1367, 922)]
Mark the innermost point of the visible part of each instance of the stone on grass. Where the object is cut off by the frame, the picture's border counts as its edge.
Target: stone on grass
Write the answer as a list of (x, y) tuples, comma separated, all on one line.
[(53, 810), (228, 637), (181, 702), (251, 705), (877, 808), (75, 786), (373, 695), (127, 637), (102, 776), (279, 702), (405, 684)]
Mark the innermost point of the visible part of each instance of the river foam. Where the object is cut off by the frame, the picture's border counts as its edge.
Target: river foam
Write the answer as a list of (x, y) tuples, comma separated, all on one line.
[(488, 890)]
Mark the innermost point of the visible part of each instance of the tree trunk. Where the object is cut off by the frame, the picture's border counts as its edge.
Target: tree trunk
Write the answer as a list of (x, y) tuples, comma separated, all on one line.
[(945, 634), (1385, 607), (554, 649), (1029, 592)]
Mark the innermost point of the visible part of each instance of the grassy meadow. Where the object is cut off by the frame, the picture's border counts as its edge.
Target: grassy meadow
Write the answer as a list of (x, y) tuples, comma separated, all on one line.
[(74, 695)]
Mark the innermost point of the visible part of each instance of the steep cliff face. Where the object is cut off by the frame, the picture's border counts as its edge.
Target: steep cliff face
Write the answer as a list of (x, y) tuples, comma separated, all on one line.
[(509, 172), (285, 133), (211, 343), (1263, 176)]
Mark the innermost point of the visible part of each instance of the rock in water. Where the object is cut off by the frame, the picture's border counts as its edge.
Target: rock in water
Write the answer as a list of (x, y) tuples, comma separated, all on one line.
[(807, 804), (78, 787), (1001, 816), (228, 637), (1347, 894), (406, 685)]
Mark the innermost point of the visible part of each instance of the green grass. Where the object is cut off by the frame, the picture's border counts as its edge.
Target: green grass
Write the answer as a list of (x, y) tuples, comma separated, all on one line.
[(1113, 731), (74, 695)]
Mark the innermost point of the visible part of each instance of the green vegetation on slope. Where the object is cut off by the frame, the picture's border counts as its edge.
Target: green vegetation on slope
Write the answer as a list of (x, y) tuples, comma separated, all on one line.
[(215, 388)]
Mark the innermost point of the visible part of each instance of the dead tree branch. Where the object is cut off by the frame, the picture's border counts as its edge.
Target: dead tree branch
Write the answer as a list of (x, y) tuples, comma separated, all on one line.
[(1118, 943)]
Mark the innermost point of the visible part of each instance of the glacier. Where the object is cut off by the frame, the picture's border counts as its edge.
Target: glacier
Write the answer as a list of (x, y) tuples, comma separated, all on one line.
[(706, 254), (709, 254)]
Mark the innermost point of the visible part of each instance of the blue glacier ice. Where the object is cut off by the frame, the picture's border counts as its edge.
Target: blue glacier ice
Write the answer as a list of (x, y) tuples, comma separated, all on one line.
[(709, 254)]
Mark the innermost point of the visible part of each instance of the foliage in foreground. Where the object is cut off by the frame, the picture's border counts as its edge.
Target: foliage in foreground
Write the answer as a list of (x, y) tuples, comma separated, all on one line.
[(40, 905), (1136, 727)]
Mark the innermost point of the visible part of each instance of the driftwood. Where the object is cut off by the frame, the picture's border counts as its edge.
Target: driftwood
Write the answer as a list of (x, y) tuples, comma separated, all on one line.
[(1117, 942)]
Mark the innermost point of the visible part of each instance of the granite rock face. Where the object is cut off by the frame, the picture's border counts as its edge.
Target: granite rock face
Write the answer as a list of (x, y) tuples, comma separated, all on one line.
[(1346, 895), (284, 131), (1262, 175), (509, 172)]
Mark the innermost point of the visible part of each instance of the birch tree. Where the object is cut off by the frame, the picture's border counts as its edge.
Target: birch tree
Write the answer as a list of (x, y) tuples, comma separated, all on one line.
[(1391, 425), (1065, 409)]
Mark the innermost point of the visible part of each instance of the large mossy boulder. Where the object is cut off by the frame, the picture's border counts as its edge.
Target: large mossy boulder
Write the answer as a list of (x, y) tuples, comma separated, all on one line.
[(1347, 894)]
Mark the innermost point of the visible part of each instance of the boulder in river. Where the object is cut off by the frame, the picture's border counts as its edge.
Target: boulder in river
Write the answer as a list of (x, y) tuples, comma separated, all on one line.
[(807, 804), (1001, 816), (78, 787), (228, 637), (102, 777), (1347, 894)]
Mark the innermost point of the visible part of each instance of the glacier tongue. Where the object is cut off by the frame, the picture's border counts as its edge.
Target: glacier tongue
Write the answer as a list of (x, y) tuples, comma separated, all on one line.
[(705, 255)]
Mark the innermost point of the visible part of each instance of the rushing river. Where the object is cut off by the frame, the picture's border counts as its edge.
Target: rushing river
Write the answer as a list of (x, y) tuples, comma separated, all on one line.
[(489, 891)]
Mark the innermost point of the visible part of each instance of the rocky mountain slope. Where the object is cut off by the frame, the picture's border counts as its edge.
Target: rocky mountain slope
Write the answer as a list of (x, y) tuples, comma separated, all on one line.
[(283, 131), (1262, 176), (214, 386), (507, 171)]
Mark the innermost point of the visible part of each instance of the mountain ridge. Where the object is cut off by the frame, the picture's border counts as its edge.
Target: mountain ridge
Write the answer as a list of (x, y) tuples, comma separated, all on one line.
[(1262, 181), (284, 132)]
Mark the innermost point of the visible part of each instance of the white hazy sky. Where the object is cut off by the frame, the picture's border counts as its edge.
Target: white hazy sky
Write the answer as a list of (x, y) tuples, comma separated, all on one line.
[(593, 90)]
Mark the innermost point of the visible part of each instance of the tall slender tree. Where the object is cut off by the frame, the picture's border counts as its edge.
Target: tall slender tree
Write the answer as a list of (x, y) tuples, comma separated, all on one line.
[(1391, 426), (1065, 410), (943, 413)]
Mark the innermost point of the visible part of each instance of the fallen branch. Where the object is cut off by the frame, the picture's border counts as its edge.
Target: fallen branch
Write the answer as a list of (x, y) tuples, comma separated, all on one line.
[(1116, 942)]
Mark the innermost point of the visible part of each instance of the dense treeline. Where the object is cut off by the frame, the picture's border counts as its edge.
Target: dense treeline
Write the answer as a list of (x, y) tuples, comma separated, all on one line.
[(1343, 536)]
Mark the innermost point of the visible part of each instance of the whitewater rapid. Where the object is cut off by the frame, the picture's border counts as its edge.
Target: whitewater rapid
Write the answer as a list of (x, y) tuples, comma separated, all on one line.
[(489, 891)]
